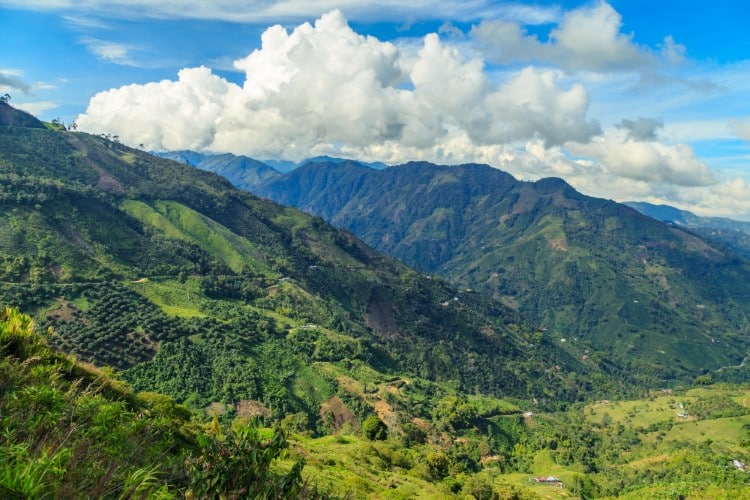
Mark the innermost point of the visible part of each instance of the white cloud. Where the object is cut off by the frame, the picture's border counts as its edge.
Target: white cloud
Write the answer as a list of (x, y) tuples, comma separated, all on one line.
[(587, 38), (166, 115), (35, 108), (727, 197), (293, 10), (117, 53), (324, 84), (648, 161), (742, 128), (322, 88), (730, 198)]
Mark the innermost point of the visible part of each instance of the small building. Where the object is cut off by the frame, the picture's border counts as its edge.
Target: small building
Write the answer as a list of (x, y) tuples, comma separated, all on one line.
[(548, 480)]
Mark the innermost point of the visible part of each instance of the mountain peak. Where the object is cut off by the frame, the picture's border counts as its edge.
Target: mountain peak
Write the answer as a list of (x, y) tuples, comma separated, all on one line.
[(551, 184), (13, 117)]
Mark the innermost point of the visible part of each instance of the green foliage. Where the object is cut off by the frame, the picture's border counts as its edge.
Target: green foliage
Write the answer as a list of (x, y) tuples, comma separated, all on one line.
[(374, 429), (70, 430), (215, 297), (618, 286), (437, 465), (17, 337), (69, 435), (196, 256), (240, 466)]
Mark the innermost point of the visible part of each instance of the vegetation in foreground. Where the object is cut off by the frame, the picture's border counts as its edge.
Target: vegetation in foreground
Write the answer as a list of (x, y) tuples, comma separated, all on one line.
[(71, 429)]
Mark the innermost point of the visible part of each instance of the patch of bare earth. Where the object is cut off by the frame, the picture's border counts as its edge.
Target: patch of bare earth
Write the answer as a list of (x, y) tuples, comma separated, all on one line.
[(385, 412), (559, 245), (341, 414), (63, 313), (248, 408)]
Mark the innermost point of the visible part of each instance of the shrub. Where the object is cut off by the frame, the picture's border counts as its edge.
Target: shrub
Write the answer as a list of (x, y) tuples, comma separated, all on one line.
[(374, 429)]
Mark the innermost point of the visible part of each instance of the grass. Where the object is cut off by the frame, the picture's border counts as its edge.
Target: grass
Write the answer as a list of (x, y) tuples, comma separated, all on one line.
[(639, 413), (725, 433), (180, 222), (372, 469), (173, 297)]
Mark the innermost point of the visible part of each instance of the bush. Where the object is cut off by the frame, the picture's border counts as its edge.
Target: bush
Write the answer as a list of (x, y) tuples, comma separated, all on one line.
[(240, 465), (374, 429)]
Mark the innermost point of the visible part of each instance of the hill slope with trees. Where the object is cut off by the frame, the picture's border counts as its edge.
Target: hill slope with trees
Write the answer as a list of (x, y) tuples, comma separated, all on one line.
[(160, 269), (657, 298), (385, 382)]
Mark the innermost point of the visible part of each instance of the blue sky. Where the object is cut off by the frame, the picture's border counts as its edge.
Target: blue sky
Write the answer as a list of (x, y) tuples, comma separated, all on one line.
[(626, 99)]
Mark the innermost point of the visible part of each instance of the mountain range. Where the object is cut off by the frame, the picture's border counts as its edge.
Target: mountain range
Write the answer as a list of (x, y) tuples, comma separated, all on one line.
[(660, 298), (207, 308), (733, 234), (143, 263)]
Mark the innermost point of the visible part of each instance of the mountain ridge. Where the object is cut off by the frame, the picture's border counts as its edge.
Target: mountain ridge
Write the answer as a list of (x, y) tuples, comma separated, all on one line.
[(95, 227), (580, 266)]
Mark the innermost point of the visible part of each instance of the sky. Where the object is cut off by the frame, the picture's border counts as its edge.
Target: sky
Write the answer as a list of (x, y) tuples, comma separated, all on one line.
[(626, 99)]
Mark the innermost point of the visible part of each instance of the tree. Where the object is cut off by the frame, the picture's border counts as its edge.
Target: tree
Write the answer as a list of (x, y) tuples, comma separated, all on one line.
[(437, 465), (374, 429), (5, 98)]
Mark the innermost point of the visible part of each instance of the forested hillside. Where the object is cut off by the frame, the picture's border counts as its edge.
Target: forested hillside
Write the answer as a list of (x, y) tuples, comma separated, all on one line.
[(223, 345), (143, 263), (588, 271)]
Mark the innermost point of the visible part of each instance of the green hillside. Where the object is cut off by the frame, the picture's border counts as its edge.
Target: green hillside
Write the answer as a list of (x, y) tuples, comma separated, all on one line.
[(222, 346), (73, 430), (142, 263), (596, 276)]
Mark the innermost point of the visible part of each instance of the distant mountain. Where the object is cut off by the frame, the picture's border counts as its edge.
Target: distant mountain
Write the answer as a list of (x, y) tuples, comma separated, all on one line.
[(378, 165), (733, 234), (185, 156), (283, 166), (667, 213), (242, 171), (245, 172), (589, 270)]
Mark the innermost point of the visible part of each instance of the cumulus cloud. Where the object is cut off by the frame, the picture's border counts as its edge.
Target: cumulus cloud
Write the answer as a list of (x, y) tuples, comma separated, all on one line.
[(642, 129), (648, 161), (722, 197), (588, 38), (323, 87), (169, 114)]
